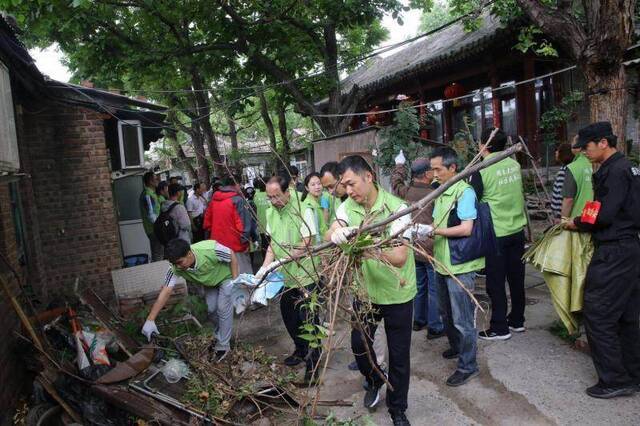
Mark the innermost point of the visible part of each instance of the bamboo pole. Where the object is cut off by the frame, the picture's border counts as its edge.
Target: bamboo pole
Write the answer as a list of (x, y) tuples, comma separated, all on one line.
[(415, 206)]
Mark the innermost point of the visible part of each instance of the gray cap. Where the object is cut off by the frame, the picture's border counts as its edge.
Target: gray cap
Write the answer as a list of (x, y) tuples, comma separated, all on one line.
[(420, 165)]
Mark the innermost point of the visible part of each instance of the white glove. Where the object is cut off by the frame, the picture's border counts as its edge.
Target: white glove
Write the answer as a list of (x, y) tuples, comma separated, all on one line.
[(340, 235), (419, 231), (149, 328), (400, 159)]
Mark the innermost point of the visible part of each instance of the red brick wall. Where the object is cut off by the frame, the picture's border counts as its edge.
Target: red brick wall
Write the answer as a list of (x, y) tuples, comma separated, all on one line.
[(69, 217)]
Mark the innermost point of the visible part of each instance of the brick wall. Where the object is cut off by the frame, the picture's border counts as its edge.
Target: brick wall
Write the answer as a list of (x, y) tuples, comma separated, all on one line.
[(70, 220)]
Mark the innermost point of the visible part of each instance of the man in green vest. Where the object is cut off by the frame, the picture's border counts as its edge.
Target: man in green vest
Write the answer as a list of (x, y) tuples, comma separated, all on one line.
[(211, 265), (261, 202), (291, 227), (390, 285), (149, 211), (334, 193), (577, 188), (500, 185), (456, 306)]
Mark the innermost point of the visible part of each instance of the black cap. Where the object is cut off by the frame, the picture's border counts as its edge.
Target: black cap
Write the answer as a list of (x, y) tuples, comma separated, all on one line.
[(593, 133), (420, 165)]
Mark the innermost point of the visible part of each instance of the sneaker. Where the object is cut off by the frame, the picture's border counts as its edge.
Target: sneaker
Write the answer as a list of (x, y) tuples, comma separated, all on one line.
[(459, 378), (399, 418), (520, 329), (450, 354), (353, 366), (598, 391), (294, 359), (433, 335), (418, 327), (492, 335), (372, 396), (220, 355)]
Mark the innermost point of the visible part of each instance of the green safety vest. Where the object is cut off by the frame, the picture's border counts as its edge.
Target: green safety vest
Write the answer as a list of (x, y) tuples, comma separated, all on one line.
[(284, 230), (262, 204), (334, 203), (443, 205), (209, 270), (386, 285), (155, 202), (581, 170), (318, 214), (503, 192)]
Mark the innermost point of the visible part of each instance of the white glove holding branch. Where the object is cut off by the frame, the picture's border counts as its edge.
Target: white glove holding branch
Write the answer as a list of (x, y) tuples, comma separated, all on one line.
[(340, 235), (419, 231), (263, 270), (400, 159), (149, 329)]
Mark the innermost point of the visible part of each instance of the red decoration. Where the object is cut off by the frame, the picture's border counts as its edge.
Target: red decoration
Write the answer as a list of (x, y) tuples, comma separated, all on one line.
[(454, 90), (374, 117)]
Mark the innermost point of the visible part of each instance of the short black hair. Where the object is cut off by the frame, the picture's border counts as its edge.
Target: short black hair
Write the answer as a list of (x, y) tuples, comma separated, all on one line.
[(293, 171), (612, 140), (449, 156), (176, 249), (174, 188), (282, 179), (231, 179), (355, 163), (499, 141), (147, 177), (330, 167), (175, 177), (258, 183), (161, 186)]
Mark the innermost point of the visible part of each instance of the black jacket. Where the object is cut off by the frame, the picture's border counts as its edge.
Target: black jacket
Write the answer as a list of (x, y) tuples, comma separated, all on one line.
[(611, 186)]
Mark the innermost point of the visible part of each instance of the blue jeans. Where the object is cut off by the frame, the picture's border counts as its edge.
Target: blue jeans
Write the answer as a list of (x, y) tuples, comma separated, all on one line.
[(457, 310), (425, 304)]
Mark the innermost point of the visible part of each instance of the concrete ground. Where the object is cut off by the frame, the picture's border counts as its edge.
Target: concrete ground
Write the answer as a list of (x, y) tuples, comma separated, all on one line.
[(534, 378)]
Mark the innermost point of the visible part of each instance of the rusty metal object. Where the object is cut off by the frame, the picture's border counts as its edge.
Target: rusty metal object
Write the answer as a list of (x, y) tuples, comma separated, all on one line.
[(136, 364)]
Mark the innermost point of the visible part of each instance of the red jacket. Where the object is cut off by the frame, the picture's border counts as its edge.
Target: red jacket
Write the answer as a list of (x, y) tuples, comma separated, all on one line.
[(229, 219)]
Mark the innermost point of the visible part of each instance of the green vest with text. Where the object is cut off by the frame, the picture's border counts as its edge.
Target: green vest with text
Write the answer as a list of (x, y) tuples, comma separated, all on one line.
[(443, 206), (581, 170), (155, 201), (385, 285), (209, 271), (284, 230), (318, 216), (503, 192)]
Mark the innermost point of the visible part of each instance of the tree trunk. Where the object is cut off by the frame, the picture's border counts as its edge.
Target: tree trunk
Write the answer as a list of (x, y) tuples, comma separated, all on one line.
[(233, 136), (608, 100), (282, 127), (182, 157), (264, 112)]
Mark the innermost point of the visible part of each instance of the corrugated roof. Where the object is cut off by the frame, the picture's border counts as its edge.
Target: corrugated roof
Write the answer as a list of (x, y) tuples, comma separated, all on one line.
[(450, 44)]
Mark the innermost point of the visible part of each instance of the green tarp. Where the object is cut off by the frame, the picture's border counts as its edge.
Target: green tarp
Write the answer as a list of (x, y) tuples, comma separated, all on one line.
[(563, 257)]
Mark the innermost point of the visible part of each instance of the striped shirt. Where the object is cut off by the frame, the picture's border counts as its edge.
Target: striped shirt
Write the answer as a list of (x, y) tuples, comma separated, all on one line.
[(556, 193), (223, 254)]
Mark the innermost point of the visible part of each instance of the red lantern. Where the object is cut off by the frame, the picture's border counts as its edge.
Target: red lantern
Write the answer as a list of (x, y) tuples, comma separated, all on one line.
[(454, 90)]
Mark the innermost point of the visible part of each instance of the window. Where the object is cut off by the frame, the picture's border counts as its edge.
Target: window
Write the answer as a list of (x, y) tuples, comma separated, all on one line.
[(9, 158), (131, 151)]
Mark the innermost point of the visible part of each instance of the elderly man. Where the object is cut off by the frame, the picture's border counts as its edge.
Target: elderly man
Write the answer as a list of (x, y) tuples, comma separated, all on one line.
[(425, 306), (390, 284)]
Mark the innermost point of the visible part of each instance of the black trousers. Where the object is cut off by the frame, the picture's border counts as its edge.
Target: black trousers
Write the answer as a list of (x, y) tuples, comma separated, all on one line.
[(506, 263), (294, 315), (397, 326), (611, 312)]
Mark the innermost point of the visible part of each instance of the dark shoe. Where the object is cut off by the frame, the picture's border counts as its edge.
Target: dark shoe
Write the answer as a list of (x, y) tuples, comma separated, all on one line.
[(433, 335), (372, 396), (418, 327), (353, 366), (492, 335), (450, 354), (598, 391), (458, 378), (399, 418), (220, 355), (294, 359)]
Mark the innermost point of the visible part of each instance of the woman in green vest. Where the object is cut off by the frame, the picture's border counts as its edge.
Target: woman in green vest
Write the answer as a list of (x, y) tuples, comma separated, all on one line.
[(311, 199)]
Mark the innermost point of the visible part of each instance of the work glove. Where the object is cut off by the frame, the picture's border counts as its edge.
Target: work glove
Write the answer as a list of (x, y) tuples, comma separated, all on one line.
[(263, 270), (149, 329), (418, 231), (400, 159), (340, 235)]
